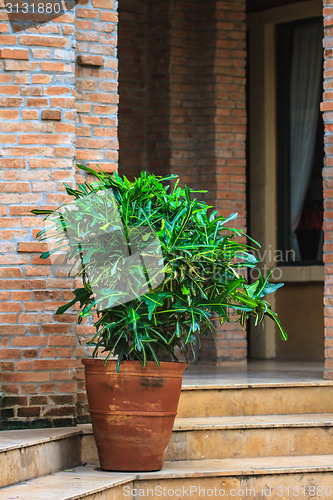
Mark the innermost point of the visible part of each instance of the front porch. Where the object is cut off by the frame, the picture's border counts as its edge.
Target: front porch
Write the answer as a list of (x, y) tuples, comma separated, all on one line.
[(255, 429), (256, 372)]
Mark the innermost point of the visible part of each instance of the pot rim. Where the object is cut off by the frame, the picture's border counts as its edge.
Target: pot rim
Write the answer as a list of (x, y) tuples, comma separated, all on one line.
[(133, 366)]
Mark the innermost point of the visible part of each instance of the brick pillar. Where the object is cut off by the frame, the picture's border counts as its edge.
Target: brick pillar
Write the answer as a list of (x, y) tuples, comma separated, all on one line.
[(190, 103), (96, 121), (158, 102), (230, 140), (207, 128), (40, 356), (133, 86), (97, 84), (327, 108), (184, 91), (37, 153), (144, 54), (208, 121), (206, 114)]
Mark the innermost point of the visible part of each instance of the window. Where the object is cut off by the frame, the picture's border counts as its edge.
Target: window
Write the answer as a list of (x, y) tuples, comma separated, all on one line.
[(300, 140)]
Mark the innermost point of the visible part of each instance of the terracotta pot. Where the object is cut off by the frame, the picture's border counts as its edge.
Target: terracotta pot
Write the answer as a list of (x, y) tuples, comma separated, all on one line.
[(132, 412)]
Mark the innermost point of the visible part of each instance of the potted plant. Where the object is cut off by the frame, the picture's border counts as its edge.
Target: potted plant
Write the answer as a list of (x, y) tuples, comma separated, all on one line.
[(157, 268)]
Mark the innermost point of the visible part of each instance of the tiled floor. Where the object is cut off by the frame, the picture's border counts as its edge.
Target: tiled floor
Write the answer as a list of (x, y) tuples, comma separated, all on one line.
[(256, 373)]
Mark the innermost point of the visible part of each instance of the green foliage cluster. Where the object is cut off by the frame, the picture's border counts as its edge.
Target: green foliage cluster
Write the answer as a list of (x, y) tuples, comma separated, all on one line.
[(203, 265)]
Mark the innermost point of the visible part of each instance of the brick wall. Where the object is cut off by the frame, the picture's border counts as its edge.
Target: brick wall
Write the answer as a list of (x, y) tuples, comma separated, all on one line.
[(327, 108), (96, 119), (182, 110), (43, 92), (158, 63)]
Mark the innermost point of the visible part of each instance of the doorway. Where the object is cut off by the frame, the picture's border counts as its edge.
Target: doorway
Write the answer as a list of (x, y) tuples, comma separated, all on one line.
[(285, 194)]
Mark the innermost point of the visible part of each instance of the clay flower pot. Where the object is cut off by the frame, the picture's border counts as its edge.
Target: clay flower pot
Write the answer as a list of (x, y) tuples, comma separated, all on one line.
[(132, 411)]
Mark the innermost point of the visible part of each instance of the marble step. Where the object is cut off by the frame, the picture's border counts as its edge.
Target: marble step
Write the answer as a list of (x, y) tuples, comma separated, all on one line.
[(236, 437), (27, 454), (232, 399), (270, 477), (30, 453), (251, 436)]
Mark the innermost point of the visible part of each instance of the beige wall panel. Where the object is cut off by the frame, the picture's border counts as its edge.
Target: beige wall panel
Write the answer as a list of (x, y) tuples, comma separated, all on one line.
[(300, 308)]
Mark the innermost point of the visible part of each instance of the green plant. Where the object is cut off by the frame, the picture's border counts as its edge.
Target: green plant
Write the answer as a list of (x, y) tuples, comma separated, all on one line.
[(202, 260)]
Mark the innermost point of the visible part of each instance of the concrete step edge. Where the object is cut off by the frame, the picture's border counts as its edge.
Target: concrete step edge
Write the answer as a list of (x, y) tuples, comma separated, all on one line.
[(83, 481), (15, 439), (220, 386), (302, 420), (253, 422)]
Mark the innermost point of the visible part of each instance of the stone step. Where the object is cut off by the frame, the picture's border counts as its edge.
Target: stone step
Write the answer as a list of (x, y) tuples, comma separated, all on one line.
[(236, 437), (272, 477), (26, 454), (251, 436), (232, 399)]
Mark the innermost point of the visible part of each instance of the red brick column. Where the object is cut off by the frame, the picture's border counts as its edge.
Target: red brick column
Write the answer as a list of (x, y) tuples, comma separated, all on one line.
[(208, 121), (230, 113), (184, 91), (206, 115), (230, 140), (96, 141), (37, 154), (207, 129), (97, 84), (189, 105), (208, 101), (158, 90), (144, 90), (133, 84), (40, 354), (327, 108)]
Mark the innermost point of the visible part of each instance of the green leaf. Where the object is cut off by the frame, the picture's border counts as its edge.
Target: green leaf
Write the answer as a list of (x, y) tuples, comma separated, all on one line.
[(251, 289), (100, 175), (178, 329), (185, 221), (37, 211), (274, 317), (153, 301), (188, 194), (270, 288), (81, 295), (247, 257), (228, 219), (133, 318), (46, 255), (154, 355)]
